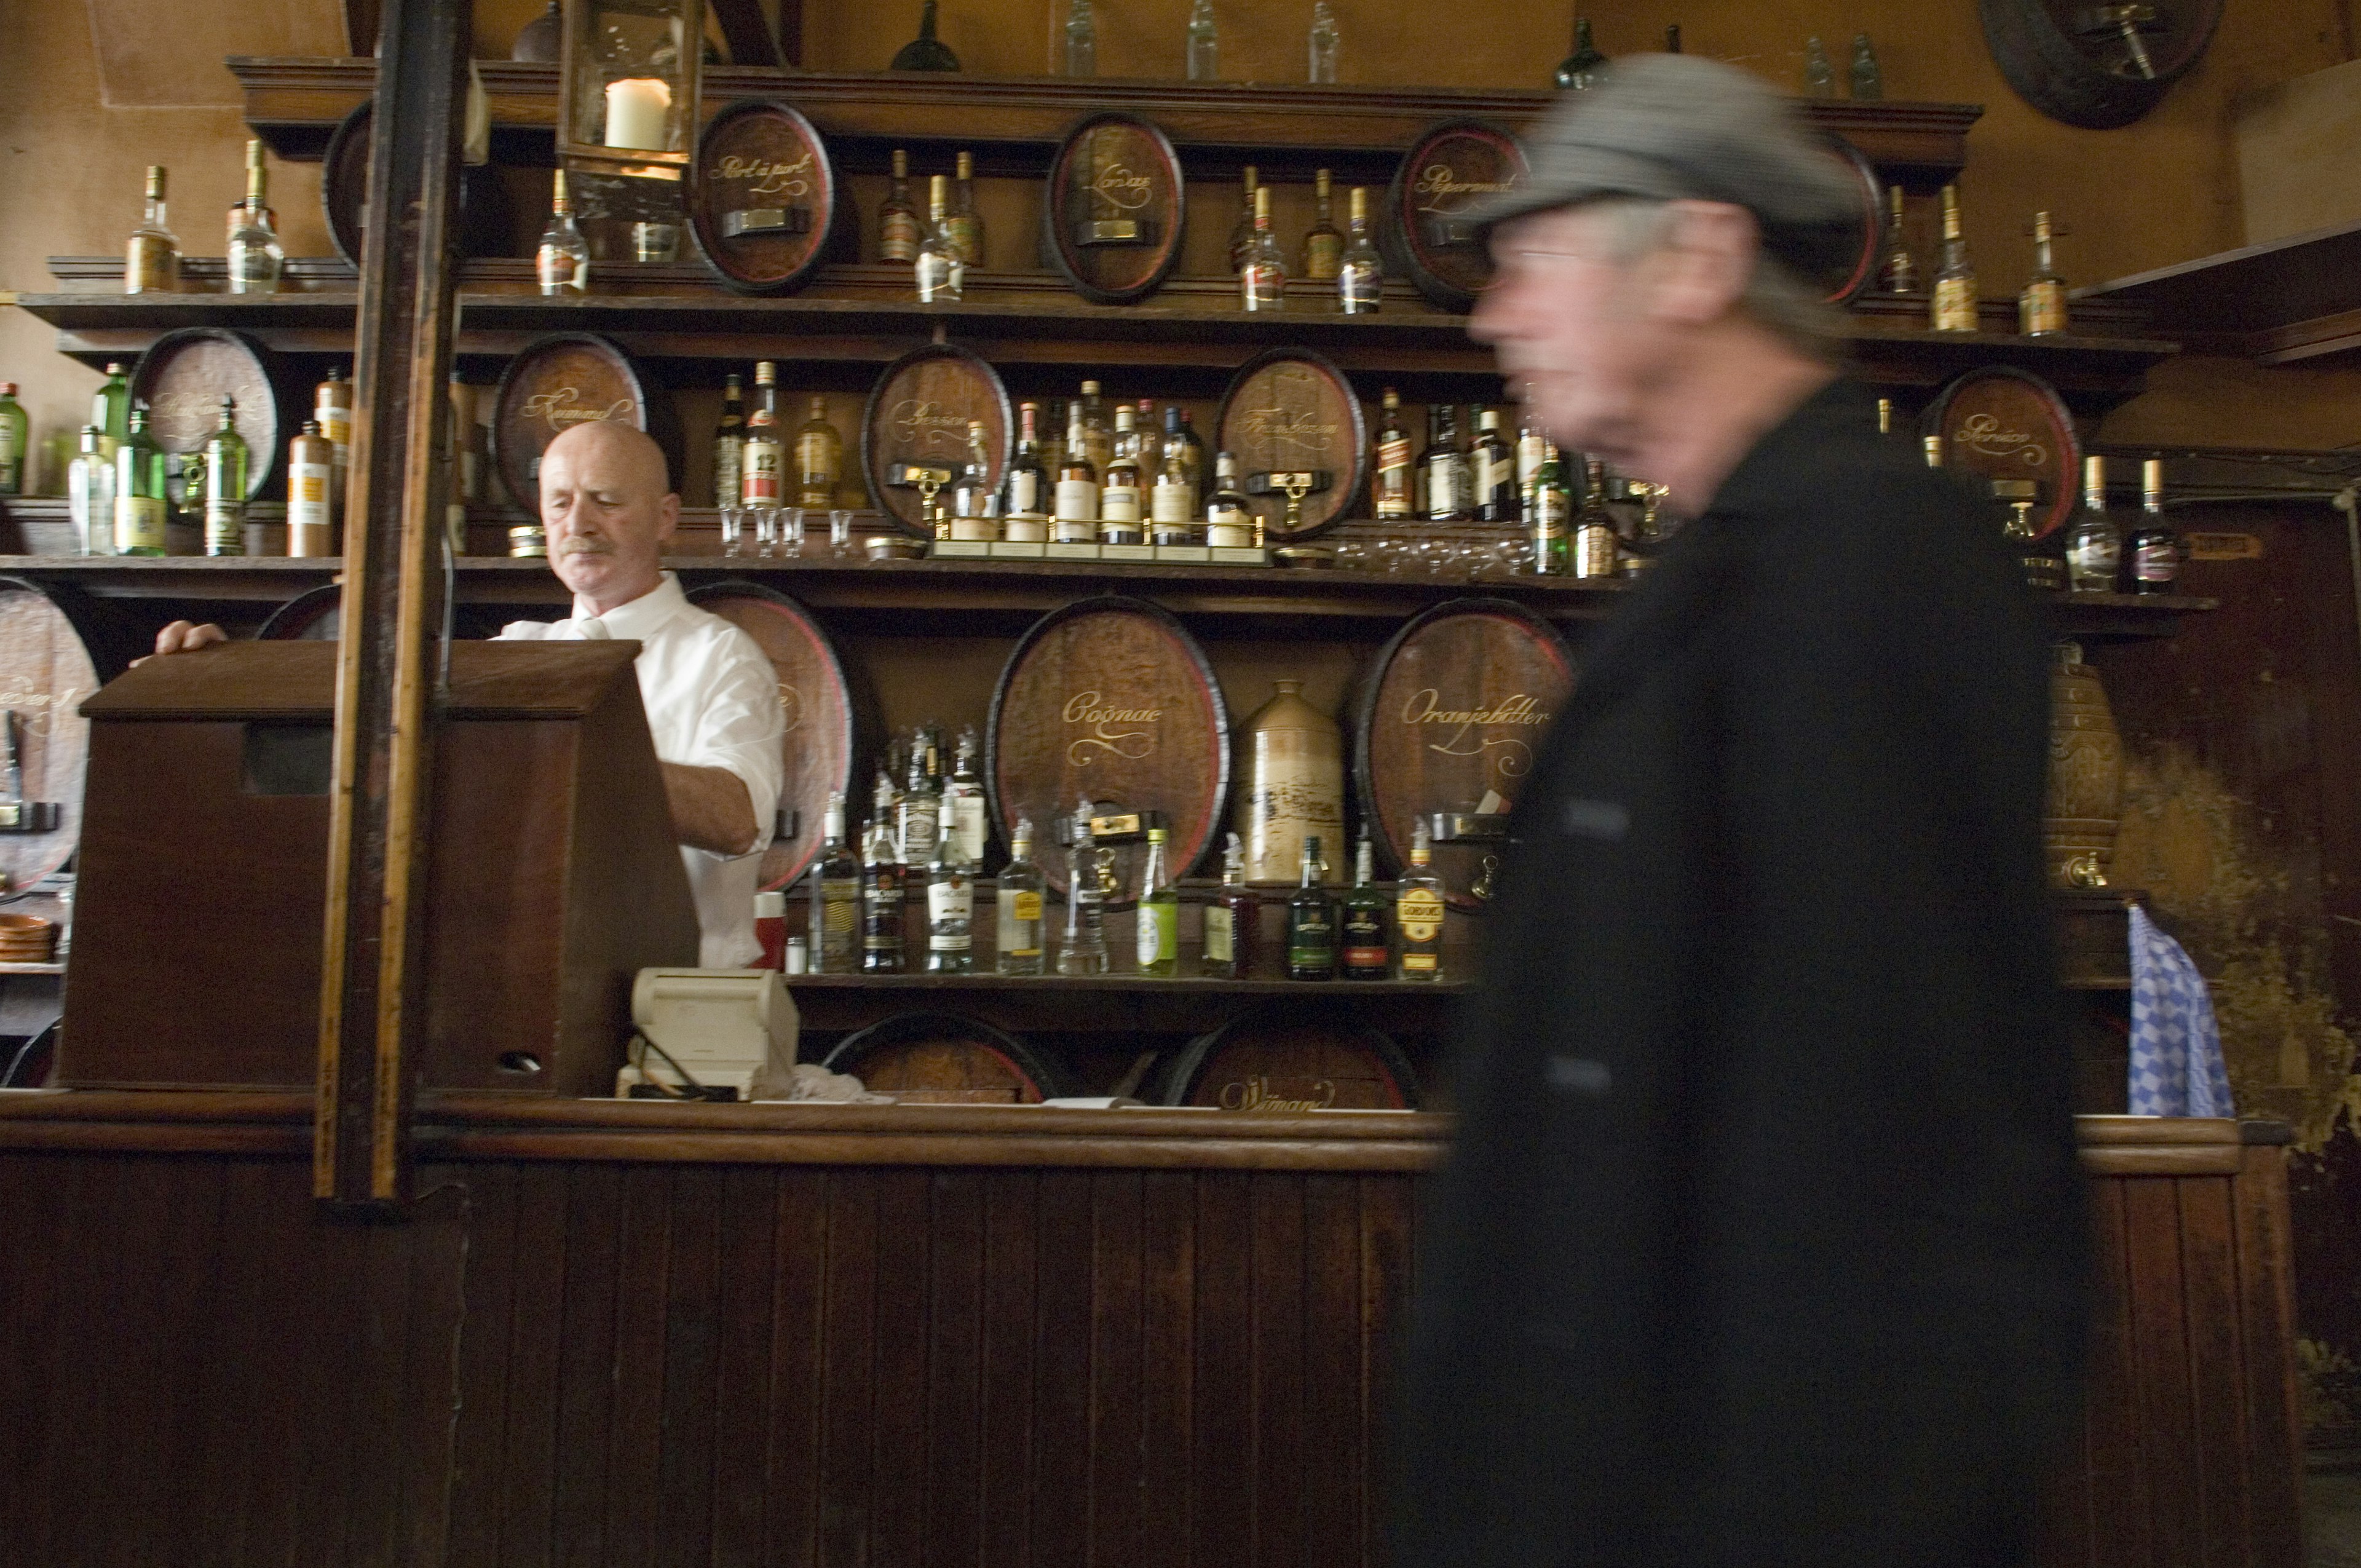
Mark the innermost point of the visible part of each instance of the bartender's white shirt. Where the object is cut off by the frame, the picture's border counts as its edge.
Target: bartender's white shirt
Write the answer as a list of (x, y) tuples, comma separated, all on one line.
[(712, 700)]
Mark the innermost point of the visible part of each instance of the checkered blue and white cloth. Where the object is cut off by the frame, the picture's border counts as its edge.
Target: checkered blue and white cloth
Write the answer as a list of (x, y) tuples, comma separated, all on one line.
[(2177, 1067)]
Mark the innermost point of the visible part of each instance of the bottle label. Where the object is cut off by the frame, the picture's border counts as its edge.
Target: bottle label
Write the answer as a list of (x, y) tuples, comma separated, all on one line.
[(952, 900), (1262, 287), (1446, 485), (816, 469), (1119, 503), (1323, 254), (1311, 941), (1419, 964), (226, 527), (2095, 557), (1420, 911), (1532, 451), (556, 270), (336, 424), (1020, 925), (2157, 562), (941, 278), (1079, 499), (1025, 904), (2042, 307), (1221, 935), (1393, 477), (966, 235), (760, 485), (729, 477), (918, 837), (1954, 308), (840, 905), (1023, 490), (967, 826), (138, 523), (1594, 551), (1170, 503), (307, 494), (1158, 936), (897, 236), (150, 268), (1361, 289)]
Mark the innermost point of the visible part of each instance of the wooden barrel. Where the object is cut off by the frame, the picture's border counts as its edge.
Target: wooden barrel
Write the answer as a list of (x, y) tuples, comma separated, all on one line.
[(1281, 1061), (57, 647), (944, 1059), (1457, 708), (315, 615), (1290, 411), (182, 378), (1867, 224), (1116, 202), (2081, 73), (1112, 698), (344, 193), (1450, 169), (2007, 424), (819, 738), (554, 383), (918, 413), (762, 197)]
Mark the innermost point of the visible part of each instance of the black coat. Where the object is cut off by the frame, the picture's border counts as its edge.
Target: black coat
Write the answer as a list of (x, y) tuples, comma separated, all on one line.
[(1762, 1241)]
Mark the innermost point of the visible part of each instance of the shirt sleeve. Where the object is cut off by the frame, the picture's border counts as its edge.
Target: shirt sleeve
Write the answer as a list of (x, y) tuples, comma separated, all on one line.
[(741, 727)]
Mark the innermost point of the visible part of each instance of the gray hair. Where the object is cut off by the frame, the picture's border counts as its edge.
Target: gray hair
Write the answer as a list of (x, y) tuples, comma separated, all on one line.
[(1775, 298)]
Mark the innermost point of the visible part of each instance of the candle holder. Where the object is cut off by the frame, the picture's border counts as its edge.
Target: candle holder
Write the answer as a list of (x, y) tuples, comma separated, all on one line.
[(629, 73)]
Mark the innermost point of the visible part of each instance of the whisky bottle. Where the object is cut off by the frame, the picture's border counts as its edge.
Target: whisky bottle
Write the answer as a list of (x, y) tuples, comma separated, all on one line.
[(964, 789), (1323, 248), (1229, 521), (835, 898), (1084, 950), (1230, 920), (1547, 515), (941, 269), (255, 258), (819, 458), (1158, 928), (1242, 234), (1205, 44), (1585, 67), (1053, 445), (951, 901), (13, 432), (2155, 547), (899, 230), (1365, 951), (880, 891), (1192, 463), (1361, 271), (965, 224), (1418, 910), (1492, 470), (1262, 283), (151, 265), (1323, 42), (562, 263), (1119, 497), (1018, 906), (1391, 488), (761, 484), (1173, 499), (1081, 40), (1098, 439), (2094, 545), (143, 493), (925, 52), (1594, 543), (918, 812), (1078, 477), (1442, 467), (730, 445), (1532, 450), (311, 472), (1311, 923), (226, 465), (2041, 304), (1028, 482), (1897, 271), (1953, 306)]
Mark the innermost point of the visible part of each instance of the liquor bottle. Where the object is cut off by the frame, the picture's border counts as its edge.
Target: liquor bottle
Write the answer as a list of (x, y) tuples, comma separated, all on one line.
[(331, 405), (1867, 82), (562, 262), (918, 810), (1229, 521), (1242, 234), (1081, 40), (900, 229), (1053, 442), (143, 492), (1323, 42), (1119, 497), (110, 410), (1897, 271), (1492, 469), (1028, 482), (1205, 44), (1819, 75), (951, 901), (1365, 950), (2041, 304), (2155, 546), (1173, 499), (925, 52), (1291, 782), (1953, 306), (2094, 545), (1262, 282), (942, 269), (1078, 477), (1018, 906), (311, 473), (881, 892), (965, 224), (1098, 437), (1158, 928), (1442, 467), (1547, 515), (1585, 67), (1418, 910), (730, 445), (1230, 920), (819, 458), (1361, 271), (964, 791), (1532, 450), (1192, 463), (255, 258), (151, 265), (1311, 923), (1594, 541), (1084, 950), (1673, 38), (835, 898), (225, 464), (12, 441), (761, 484), (1389, 490), (971, 492), (1323, 246)]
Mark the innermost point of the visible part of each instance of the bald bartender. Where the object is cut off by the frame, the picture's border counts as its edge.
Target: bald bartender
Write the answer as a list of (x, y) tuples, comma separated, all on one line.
[(711, 695)]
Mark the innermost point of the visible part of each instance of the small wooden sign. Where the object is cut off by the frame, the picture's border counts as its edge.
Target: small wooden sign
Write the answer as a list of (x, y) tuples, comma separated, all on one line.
[(1110, 699), (917, 418), (1449, 169), (762, 197), (2007, 424), (554, 384), (1455, 712), (816, 701), (1114, 208), (941, 1059), (182, 378), (1293, 415), (1868, 224), (1279, 1064)]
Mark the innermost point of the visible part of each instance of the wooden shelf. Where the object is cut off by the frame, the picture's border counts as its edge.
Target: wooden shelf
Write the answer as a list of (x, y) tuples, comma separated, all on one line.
[(1184, 985), (2286, 302)]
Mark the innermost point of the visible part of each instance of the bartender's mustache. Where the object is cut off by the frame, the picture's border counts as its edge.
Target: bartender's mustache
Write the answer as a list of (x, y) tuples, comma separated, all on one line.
[(578, 544)]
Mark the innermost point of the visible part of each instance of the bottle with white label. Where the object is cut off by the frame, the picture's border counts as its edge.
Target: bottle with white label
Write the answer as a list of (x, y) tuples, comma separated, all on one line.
[(1085, 950), (1018, 907), (951, 901), (1028, 482), (1174, 498), (311, 471), (964, 789), (1229, 525), (1077, 479), (1119, 498), (1418, 910), (835, 898)]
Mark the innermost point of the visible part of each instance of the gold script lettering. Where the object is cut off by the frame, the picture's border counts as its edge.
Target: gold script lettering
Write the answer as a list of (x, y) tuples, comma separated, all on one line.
[(1091, 708), (923, 426), (1441, 191), (1515, 757), (558, 408), (1123, 188), (1983, 433), (763, 178), (1260, 1094)]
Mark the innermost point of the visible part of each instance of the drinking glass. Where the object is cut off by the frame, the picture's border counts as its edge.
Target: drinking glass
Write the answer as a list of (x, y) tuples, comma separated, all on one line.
[(733, 522), (766, 531), (791, 532), (839, 533)]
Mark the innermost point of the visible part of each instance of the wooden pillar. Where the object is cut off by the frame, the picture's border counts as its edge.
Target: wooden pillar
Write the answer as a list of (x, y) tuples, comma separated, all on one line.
[(371, 1005)]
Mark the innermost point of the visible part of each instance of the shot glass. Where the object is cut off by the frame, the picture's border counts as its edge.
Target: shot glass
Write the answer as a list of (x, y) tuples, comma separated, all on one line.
[(839, 533), (733, 523), (791, 532)]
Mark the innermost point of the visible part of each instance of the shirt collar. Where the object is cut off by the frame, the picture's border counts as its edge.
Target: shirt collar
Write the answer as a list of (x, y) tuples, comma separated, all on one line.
[(636, 621)]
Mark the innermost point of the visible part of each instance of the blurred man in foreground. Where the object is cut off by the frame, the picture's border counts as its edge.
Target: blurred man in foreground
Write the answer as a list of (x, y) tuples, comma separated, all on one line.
[(1763, 1241)]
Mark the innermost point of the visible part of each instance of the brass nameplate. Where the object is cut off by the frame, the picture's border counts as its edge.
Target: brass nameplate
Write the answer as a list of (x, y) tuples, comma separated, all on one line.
[(2225, 547), (1115, 231), (765, 220), (1311, 481)]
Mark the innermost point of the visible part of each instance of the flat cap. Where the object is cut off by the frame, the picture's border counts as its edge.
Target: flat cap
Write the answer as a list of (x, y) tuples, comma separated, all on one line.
[(1681, 127)]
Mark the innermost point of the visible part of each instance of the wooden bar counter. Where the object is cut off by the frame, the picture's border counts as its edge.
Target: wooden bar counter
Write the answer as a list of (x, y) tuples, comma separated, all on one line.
[(639, 1333)]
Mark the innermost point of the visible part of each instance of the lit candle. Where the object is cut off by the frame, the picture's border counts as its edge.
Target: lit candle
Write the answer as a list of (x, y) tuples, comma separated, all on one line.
[(637, 108)]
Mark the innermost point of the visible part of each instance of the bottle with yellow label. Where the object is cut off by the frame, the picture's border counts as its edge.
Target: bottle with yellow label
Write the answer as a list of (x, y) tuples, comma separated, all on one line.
[(2041, 304), (143, 501), (1418, 911), (819, 458), (1018, 905), (311, 471), (1952, 306)]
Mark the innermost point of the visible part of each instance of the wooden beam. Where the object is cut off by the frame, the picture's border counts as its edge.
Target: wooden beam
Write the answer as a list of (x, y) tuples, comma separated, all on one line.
[(371, 1004), (747, 32)]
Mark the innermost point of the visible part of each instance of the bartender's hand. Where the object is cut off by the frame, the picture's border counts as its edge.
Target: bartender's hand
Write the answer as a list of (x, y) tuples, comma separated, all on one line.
[(710, 808), (187, 637)]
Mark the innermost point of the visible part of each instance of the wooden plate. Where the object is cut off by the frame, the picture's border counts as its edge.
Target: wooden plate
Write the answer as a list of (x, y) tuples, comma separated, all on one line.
[(819, 741), (185, 373), (554, 383), (1109, 696), (1448, 169), (1870, 231), (942, 1058), (57, 647), (1284, 1063), (1117, 200), (1291, 410), (1459, 704), (762, 197), (2007, 424), (918, 413), (315, 615)]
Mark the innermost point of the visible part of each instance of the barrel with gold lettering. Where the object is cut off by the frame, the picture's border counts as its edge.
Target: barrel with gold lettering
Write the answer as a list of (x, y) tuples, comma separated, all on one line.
[(762, 197), (1452, 168), (1999, 422), (1114, 208), (1111, 699), (942, 1058), (558, 382), (1276, 1062), (1450, 726), (183, 376), (916, 425)]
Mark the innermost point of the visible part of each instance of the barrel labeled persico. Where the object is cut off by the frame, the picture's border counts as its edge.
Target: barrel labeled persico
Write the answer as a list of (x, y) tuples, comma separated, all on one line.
[(2001, 422), (1275, 1063), (916, 423)]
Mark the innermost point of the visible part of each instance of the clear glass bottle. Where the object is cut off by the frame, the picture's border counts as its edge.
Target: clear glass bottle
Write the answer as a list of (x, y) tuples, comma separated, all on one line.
[(2155, 547), (311, 473), (1242, 233), (1081, 40), (1084, 950), (1323, 45), (90, 495), (730, 443), (918, 812), (1310, 922), (1158, 933), (1897, 270), (1360, 271), (819, 458), (2041, 304), (1205, 44), (965, 222), (1324, 244), (226, 468), (1230, 920), (1442, 467), (1262, 283), (1953, 305), (835, 919), (151, 264), (964, 791), (1492, 471), (1229, 520), (1867, 82), (1418, 910), (762, 483), (881, 890), (143, 492), (942, 269), (255, 258), (1390, 486), (1018, 906), (899, 227), (13, 432), (2094, 544), (562, 261), (1819, 74), (1078, 477), (1028, 491), (1365, 950), (1120, 497), (971, 492), (1174, 498), (1585, 67), (951, 901), (1593, 541), (925, 52), (1548, 516)]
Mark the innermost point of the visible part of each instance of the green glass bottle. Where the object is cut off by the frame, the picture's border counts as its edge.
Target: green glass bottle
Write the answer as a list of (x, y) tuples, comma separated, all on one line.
[(1546, 518), (1585, 67), (110, 410), (1159, 912), (143, 502), (1368, 948), (12, 441), (1311, 923), (225, 461), (925, 52)]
